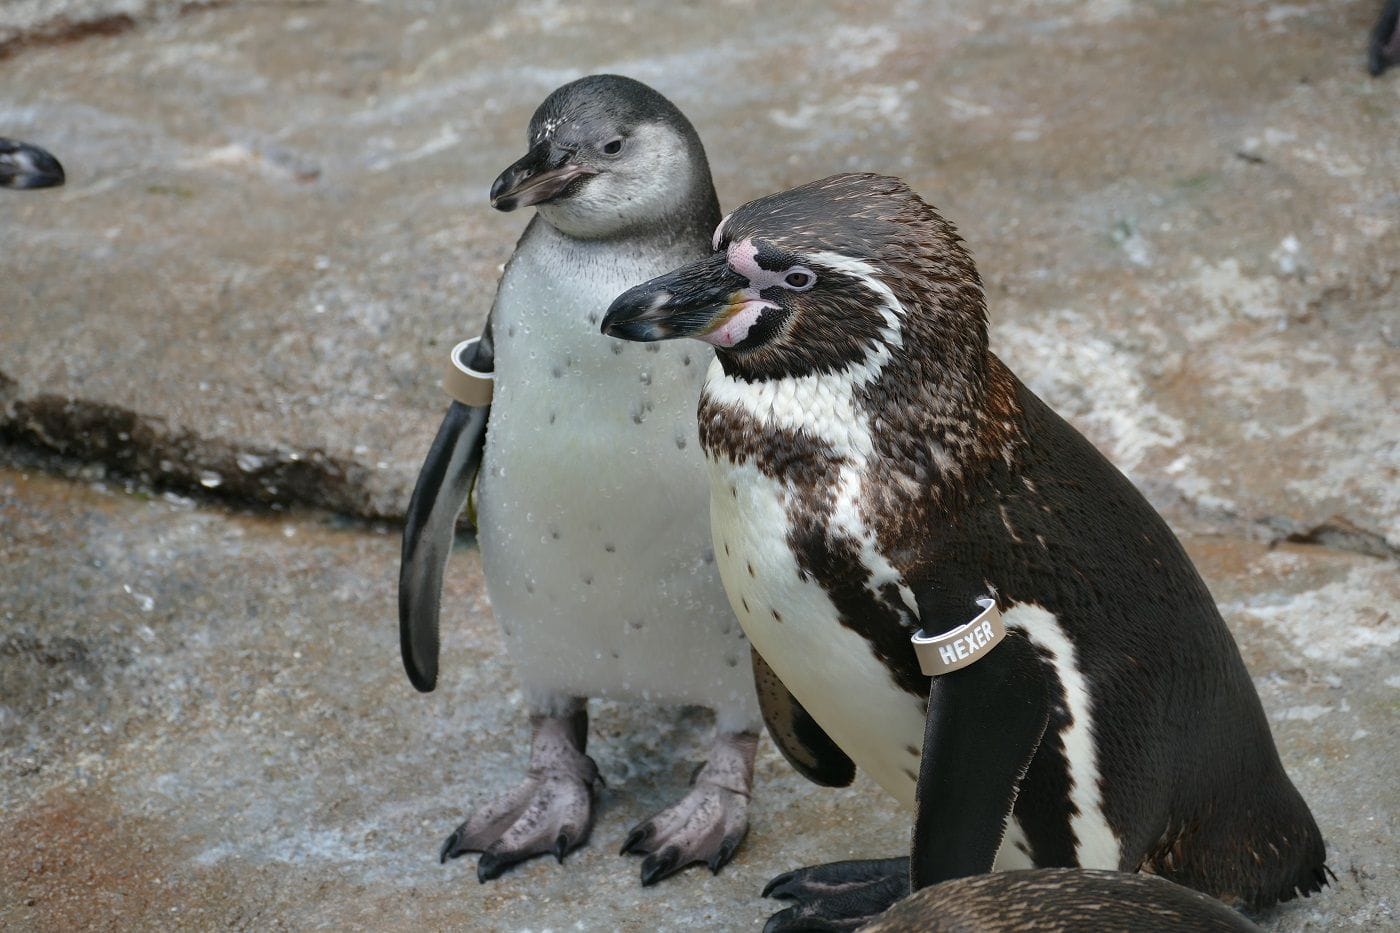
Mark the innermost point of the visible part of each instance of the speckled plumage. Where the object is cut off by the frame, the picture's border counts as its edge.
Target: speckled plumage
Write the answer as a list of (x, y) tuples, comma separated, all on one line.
[(592, 498), (1052, 900)]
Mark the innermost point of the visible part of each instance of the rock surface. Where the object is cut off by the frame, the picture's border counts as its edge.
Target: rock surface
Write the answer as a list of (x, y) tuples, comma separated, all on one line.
[(204, 724), (1187, 218)]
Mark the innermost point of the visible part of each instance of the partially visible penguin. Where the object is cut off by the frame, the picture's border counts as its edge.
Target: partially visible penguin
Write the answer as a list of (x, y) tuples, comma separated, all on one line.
[(1385, 39), (876, 471), (24, 166), (1059, 900), (593, 521)]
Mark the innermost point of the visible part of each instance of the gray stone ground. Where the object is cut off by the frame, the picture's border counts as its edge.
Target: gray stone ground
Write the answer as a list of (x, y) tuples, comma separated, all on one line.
[(218, 351)]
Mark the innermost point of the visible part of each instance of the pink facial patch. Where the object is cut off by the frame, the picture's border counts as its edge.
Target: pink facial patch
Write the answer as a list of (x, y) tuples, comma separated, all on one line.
[(736, 326), (743, 259)]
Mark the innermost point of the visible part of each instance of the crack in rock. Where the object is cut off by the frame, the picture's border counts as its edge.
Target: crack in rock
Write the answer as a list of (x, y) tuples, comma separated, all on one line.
[(37, 25), (148, 449), (1339, 534)]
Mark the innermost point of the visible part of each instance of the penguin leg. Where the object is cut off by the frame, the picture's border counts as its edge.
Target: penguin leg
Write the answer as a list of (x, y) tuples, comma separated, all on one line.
[(708, 824), (1385, 39), (551, 811)]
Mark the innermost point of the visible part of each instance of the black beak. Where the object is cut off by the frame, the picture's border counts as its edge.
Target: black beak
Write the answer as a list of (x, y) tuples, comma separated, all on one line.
[(26, 166), (541, 175), (699, 300)]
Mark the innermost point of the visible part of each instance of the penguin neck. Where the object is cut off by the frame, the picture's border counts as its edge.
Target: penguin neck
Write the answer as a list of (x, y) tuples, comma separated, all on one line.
[(663, 234), (923, 417), (686, 211)]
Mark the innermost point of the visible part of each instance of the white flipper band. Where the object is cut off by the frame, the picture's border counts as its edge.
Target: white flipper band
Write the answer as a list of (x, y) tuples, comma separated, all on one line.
[(962, 646), (468, 386)]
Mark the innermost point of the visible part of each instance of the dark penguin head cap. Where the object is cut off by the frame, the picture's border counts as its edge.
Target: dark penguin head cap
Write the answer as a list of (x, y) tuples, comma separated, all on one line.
[(608, 157), (25, 166), (836, 275)]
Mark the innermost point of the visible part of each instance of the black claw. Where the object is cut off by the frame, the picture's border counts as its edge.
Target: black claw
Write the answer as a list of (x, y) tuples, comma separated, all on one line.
[(771, 889), (725, 853), (634, 839), (492, 867), (449, 849), (659, 865), (561, 847), (784, 921), (792, 921)]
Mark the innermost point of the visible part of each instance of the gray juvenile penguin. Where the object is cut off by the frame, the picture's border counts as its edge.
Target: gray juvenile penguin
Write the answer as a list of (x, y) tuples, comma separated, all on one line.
[(24, 166), (592, 499), (876, 471)]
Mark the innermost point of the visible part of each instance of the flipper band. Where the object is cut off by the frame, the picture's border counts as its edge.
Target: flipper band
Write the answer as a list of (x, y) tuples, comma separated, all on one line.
[(962, 646), (468, 386)]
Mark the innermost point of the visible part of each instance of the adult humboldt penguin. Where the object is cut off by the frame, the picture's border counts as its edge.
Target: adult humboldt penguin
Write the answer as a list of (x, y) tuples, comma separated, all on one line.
[(876, 471), (592, 514), (24, 166)]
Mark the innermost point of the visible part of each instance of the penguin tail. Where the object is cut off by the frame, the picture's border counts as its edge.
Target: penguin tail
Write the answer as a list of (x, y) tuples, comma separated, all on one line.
[(444, 484), (1251, 856)]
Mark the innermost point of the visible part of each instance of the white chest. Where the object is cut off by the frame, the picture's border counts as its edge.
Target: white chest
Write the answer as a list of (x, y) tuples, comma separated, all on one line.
[(593, 500), (792, 622)]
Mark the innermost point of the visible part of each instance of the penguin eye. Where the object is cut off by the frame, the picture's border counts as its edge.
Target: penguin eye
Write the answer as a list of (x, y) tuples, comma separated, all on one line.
[(799, 279), (613, 146)]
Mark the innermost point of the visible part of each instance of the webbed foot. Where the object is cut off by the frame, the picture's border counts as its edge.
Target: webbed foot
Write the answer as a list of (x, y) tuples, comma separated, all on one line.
[(550, 812), (708, 824), (838, 896)]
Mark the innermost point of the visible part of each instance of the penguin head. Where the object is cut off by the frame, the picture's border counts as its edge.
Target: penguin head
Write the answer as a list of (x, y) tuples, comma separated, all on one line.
[(25, 166), (834, 276), (610, 157)]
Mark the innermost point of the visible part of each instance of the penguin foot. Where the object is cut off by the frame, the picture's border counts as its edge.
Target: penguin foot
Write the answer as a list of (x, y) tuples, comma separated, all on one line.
[(708, 824), (837, 896), (550, 812), (547, 814)]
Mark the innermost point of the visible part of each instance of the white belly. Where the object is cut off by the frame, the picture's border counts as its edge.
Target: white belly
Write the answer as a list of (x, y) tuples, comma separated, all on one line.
[(829, 668), (593, 494), (794, 625)]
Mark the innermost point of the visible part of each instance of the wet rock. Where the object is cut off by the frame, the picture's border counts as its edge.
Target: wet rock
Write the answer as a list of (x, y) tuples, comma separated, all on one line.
[(264, 253), (275, 226), (204, 716)]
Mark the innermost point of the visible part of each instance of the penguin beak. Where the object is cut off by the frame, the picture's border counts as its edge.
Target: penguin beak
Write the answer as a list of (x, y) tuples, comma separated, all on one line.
[(541, 175), (706, 300), (25, 166)]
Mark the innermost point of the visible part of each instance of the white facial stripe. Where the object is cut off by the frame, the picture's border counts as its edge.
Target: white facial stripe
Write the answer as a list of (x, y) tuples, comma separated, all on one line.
[(719, 232), (890, 308)]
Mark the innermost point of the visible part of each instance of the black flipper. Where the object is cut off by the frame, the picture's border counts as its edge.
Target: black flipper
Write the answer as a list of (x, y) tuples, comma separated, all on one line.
[(803, 743), (984, 725), (1385, 39), (444, 483), (24, 166)]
